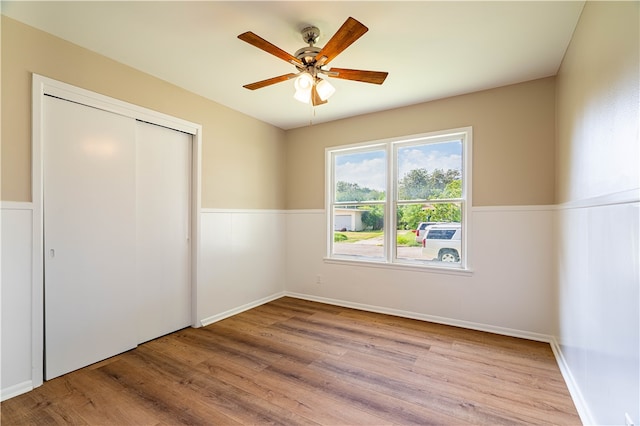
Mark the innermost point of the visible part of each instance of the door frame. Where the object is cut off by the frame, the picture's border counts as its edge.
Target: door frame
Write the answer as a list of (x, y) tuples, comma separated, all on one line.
[(44, 86)]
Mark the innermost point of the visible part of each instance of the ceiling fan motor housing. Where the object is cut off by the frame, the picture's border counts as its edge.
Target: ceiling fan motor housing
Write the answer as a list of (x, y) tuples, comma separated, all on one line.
[(307, 54), (310, 35)]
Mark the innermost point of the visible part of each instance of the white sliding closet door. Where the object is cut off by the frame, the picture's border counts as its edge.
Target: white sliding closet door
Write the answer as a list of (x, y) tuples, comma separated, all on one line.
[(89, 235), (163, 230)]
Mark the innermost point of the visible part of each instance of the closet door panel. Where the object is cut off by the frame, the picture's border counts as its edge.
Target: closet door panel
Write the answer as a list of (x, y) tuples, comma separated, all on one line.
[(89, 235), (163, 230)]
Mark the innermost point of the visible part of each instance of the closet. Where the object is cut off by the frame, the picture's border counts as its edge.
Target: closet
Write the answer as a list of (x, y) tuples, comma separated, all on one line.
[(117, 233)]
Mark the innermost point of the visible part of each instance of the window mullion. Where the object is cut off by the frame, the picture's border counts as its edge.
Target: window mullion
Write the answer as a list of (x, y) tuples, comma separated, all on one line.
[(357, 203), (425, 201), (392, 206)]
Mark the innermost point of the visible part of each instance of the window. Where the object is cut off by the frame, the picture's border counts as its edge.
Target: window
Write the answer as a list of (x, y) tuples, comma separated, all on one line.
[(401, 201), (440, 234)]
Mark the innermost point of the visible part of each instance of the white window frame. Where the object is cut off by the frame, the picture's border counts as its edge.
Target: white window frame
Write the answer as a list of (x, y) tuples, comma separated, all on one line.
[(390, 146)]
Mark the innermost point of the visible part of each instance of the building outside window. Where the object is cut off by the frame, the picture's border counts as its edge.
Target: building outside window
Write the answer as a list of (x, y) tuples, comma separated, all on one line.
[(403, 201)]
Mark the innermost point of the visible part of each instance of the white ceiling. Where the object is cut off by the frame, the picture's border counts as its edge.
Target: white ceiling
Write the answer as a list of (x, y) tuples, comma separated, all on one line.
[(431, 49)]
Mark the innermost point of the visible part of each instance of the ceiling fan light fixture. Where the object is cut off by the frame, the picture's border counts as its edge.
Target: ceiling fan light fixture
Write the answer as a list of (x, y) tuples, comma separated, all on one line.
[(310, 61), (324, 89), (303, 95), (303, 84), (304, 81)]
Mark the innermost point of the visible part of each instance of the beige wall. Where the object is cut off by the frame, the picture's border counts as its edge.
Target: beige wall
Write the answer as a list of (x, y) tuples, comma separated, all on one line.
[(513, 143), (242, 158), (598, 148)]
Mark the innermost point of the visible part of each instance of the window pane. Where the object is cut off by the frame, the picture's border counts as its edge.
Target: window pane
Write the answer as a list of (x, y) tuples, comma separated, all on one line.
[(360, 176), (430, 171), (358, 230), (429, 231)]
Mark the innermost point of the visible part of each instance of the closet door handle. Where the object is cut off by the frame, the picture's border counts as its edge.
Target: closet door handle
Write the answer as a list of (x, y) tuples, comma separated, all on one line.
[(52, 253)]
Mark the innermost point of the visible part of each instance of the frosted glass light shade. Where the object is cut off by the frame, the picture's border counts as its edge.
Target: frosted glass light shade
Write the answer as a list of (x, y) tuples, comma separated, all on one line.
[(303, 95), (303, 82), (324, 89)]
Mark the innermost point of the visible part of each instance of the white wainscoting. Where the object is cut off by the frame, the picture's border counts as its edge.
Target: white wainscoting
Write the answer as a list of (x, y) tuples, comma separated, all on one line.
[(16, 347), (599, 305), (510, 291), (242, 262)]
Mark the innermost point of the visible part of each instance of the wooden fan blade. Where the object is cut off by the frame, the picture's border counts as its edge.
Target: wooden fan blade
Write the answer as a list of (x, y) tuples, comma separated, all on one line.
[(349, 32), (269, 81), (263, 44), (375, 77), (315, 98)]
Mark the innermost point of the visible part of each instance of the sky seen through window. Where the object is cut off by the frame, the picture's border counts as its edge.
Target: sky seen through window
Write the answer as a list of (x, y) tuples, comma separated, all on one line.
[(368, 169)]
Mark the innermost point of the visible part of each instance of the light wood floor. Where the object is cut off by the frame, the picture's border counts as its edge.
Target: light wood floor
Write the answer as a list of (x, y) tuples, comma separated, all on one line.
[(297, 362)]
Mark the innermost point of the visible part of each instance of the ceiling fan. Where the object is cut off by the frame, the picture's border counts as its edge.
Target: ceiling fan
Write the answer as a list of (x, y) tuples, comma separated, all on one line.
[(311, 62)]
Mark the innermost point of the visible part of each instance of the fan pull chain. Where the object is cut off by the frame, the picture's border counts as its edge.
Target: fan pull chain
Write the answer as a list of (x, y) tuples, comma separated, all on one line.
[(312, 113)]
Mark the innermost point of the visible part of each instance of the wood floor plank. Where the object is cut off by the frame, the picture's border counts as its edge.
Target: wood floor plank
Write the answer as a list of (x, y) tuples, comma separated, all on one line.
[(325, 336), (350, 393), (267, 344), (217, 395), (287, 337), (445, 386), (29, 411), (112, 406), (499, 387), (260, 316), (175, 346), (293, 361), (513, 369), (302, 400), (371, 335), (217, 343), (168, 400), (414, 390), (433, 333), (298, 306)]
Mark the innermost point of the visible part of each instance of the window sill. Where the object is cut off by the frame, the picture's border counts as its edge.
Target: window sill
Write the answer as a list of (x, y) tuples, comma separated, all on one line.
[(414, 267)]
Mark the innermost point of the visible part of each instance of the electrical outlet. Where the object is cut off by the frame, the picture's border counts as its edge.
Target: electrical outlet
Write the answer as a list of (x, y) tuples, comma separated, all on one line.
[(318, 279), (628, 420)]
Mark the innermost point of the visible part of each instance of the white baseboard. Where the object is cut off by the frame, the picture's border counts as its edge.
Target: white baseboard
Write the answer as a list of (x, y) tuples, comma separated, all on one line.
[(16, 390), (429, 318), (231, 312), (572, 385)]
